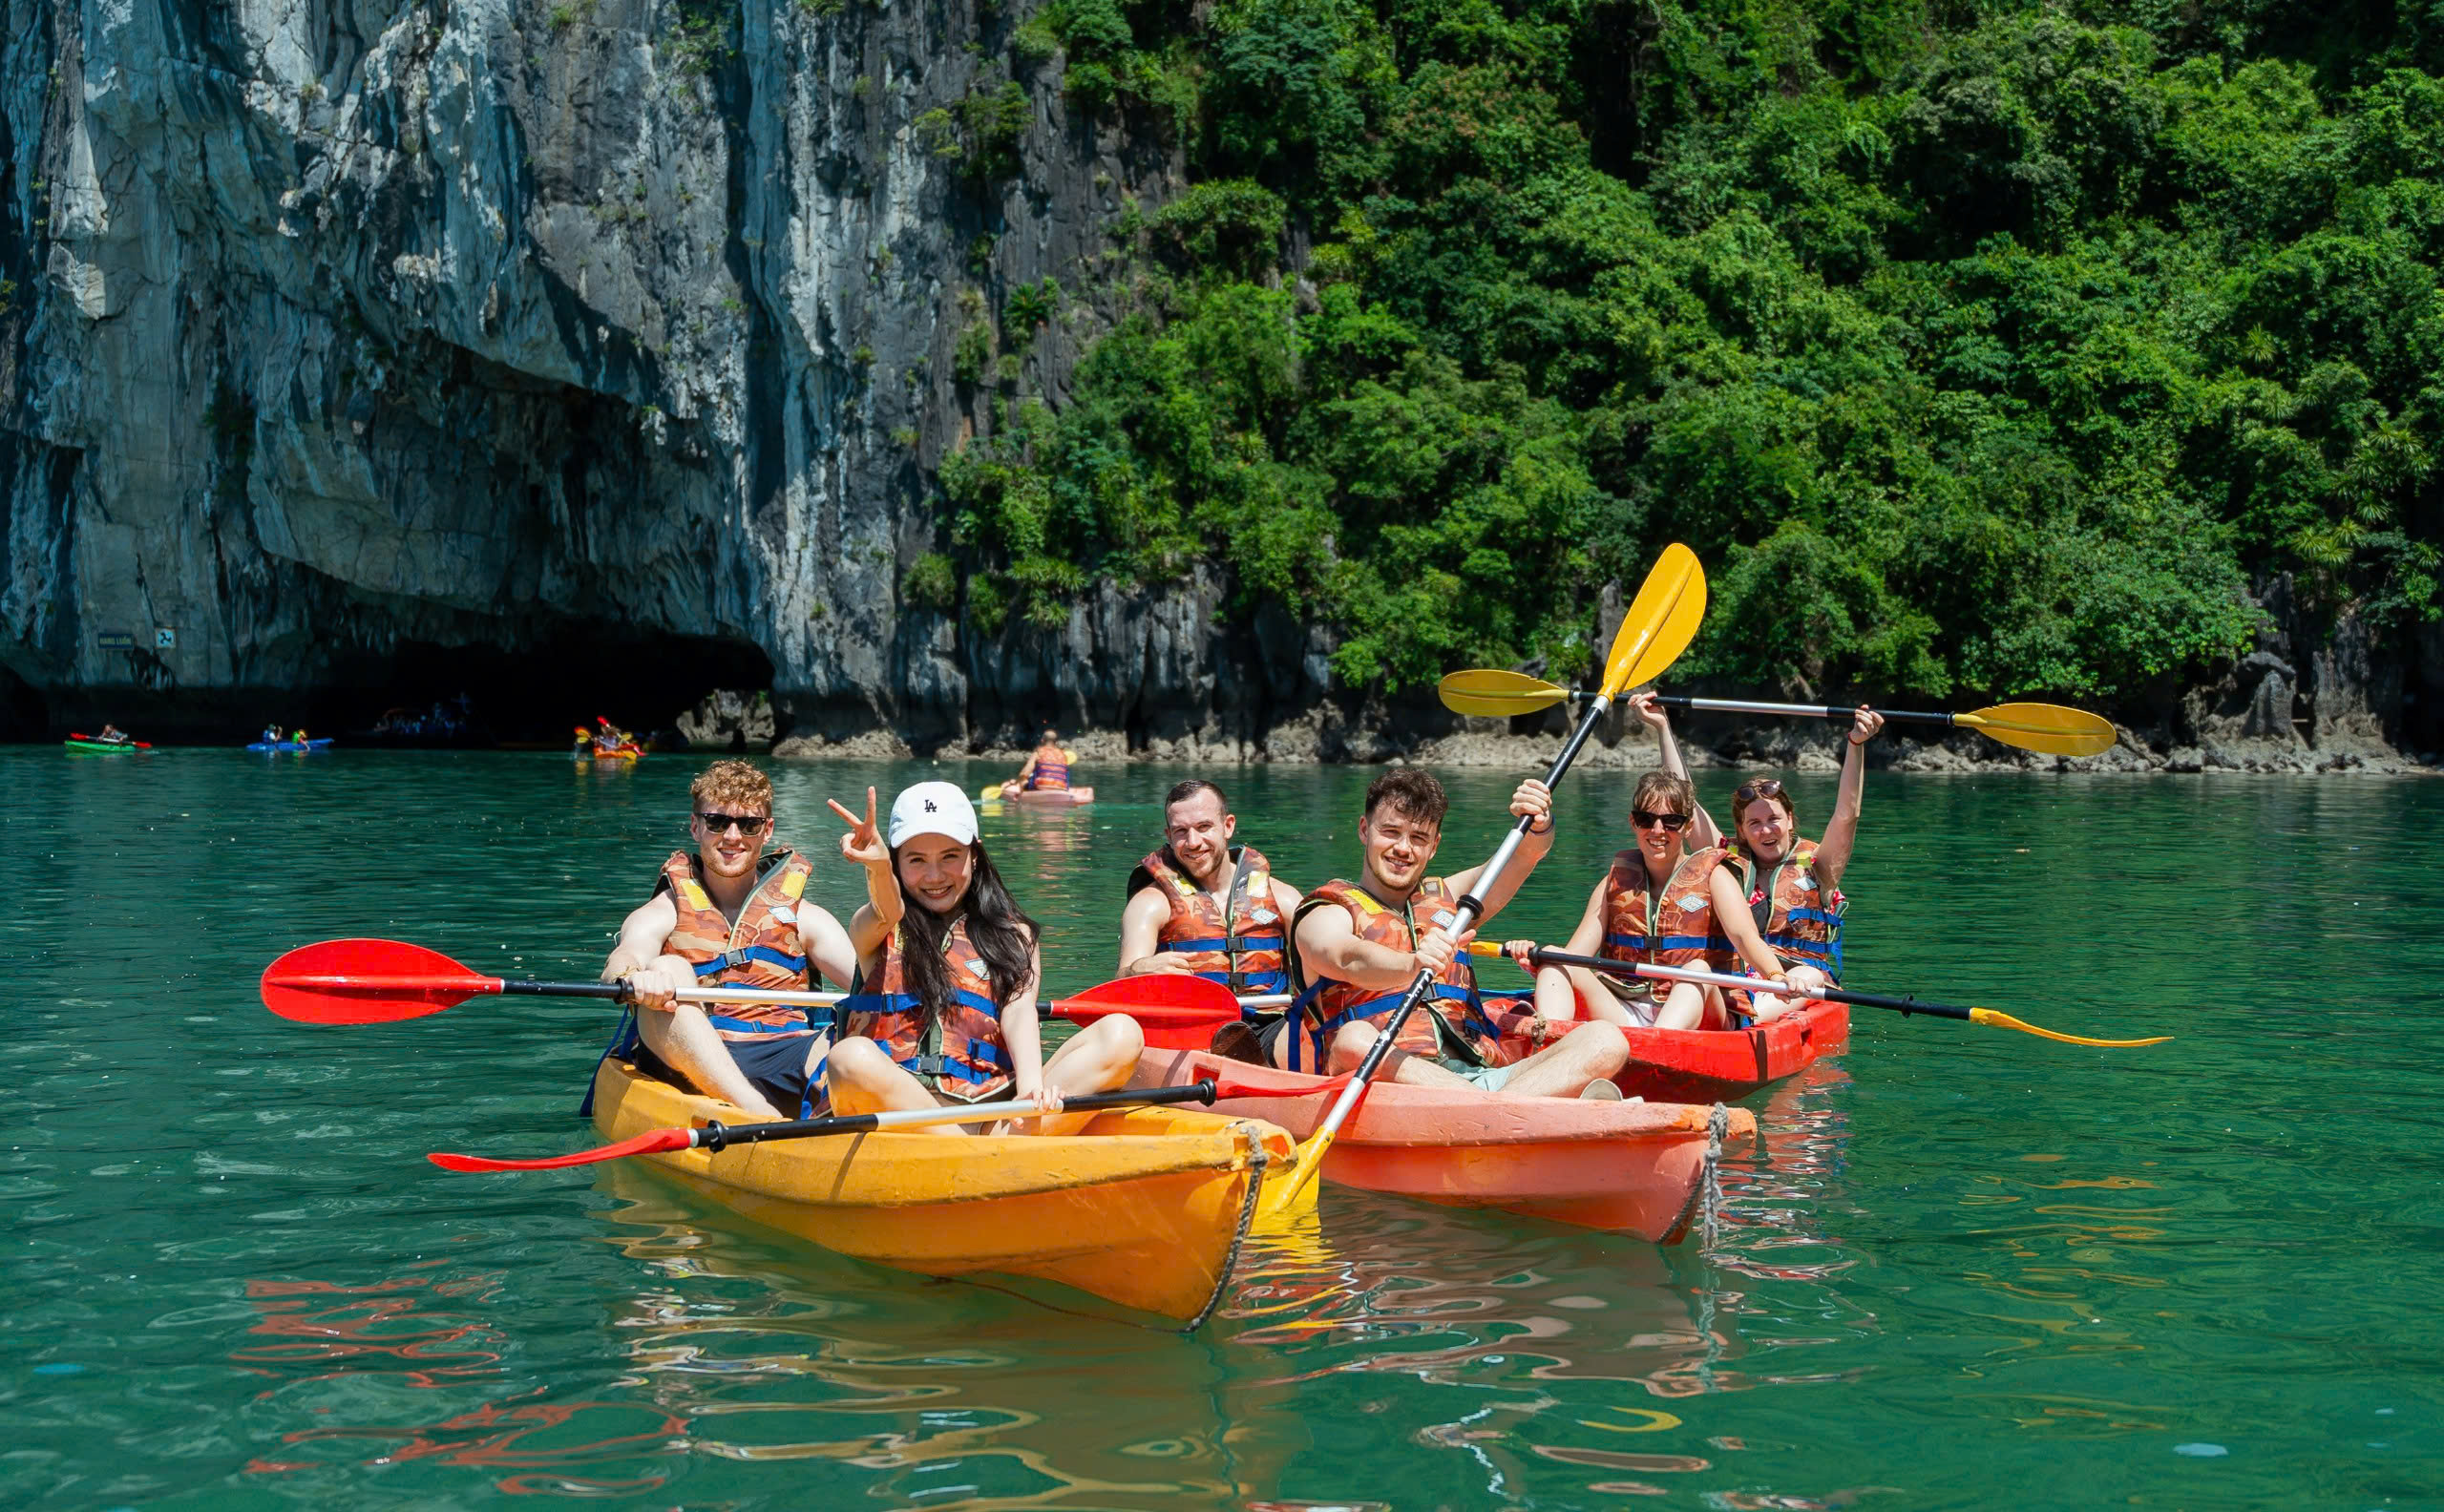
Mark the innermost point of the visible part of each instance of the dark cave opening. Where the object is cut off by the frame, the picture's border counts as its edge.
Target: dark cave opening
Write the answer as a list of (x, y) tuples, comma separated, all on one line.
[(538, 693), (25, 715)]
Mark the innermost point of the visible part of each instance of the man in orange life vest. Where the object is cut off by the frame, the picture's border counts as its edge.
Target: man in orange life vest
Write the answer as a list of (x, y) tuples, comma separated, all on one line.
[(731, 916), (1201, 908), (1360, 945), (1047, 768)]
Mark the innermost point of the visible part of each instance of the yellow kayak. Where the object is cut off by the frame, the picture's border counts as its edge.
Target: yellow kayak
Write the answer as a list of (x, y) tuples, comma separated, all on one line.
[(1149, 1207)]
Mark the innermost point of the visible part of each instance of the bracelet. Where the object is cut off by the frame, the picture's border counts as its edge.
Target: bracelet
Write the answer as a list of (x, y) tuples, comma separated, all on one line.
[(1542, 824), (1857, 742)]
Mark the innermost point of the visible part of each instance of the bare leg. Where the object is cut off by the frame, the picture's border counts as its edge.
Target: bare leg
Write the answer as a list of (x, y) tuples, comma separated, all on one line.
[(1602, 1004), (1097, 1059), (866, 1079), (686, 1043), (1684, 1009), (1556, 994), (1351, 1045), (1592, 1052)]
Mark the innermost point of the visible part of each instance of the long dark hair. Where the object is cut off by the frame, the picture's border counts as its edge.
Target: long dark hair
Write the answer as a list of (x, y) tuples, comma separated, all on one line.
[(1003, 935)]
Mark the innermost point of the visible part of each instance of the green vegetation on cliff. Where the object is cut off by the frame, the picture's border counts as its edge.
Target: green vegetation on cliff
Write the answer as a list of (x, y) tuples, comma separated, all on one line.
[(1976, 350)]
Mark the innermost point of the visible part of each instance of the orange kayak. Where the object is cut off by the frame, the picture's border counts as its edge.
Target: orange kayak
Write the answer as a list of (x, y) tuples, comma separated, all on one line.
[(1053, 797), (1629, 1167), (1723, 1065), (1147, 1208)]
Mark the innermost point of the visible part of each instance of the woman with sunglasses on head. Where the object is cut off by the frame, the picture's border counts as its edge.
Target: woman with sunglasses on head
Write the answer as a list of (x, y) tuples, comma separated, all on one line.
[(1642, 910), (948, 970), (1775, 898)]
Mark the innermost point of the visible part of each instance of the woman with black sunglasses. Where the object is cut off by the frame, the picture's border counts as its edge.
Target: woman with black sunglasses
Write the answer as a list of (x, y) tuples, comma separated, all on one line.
[(1651, 905)]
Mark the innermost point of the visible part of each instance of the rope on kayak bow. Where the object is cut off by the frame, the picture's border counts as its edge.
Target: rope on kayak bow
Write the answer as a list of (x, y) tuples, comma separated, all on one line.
[(1256, 1162), (1710, 1212)]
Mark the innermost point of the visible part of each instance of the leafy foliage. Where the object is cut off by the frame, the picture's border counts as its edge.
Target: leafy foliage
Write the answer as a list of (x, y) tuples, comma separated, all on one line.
[(1978, 350)]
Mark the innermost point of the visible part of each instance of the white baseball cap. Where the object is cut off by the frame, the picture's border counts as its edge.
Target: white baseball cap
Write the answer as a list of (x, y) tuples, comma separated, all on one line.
[(932, 807)]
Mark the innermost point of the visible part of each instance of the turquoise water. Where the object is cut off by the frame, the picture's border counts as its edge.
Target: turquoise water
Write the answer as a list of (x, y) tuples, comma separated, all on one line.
[(1961, 1266)]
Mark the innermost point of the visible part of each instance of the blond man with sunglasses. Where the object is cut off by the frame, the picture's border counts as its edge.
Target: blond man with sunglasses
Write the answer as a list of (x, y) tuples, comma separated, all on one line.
[(1640, 909), (729, 915)]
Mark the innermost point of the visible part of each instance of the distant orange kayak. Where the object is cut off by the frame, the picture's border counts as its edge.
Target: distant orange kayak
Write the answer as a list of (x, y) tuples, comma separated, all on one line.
[(1627, 1167)]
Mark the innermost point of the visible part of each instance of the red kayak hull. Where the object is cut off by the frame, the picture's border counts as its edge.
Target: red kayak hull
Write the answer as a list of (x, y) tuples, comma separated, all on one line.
[(1723, 1065), (1624, 1167)]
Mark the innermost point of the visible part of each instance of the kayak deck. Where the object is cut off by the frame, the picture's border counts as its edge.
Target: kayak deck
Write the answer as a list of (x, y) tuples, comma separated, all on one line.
[(1147, 1208), (1723, 1065), (1629, 1167)]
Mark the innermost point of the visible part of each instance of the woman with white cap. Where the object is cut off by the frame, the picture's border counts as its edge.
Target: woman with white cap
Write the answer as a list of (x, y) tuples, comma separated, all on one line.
[(948, 970)]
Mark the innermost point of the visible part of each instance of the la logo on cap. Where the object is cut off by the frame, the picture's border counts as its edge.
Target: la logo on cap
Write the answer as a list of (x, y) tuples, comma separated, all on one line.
[(932, 807)]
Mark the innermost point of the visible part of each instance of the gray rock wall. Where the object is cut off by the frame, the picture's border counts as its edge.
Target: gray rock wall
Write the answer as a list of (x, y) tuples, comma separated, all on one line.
[(335, 327)]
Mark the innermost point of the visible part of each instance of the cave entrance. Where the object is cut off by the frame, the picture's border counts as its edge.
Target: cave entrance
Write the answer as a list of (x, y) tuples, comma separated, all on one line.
[(25, 715), (539, 694)]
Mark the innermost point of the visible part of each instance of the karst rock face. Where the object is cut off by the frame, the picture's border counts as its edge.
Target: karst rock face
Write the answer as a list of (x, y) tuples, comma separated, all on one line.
[(331, 328)]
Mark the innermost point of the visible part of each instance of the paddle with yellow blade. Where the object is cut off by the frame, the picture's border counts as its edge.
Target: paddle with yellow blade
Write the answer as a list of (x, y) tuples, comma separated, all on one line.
[(1993, 1020), (1492, 693), (1661, 621)]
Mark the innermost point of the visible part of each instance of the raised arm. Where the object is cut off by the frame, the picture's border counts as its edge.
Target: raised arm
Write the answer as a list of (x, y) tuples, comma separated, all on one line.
[(1532, 800), (1841, 831), (1704, 834), (872, 923)]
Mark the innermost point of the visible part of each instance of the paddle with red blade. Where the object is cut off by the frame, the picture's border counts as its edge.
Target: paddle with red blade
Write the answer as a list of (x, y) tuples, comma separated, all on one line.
[(716, 1137), (362, 981)]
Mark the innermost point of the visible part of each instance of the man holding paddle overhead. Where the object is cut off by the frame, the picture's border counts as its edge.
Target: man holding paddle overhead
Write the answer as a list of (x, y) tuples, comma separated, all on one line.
[(729, 915), (1361, 946), (1201, 907)]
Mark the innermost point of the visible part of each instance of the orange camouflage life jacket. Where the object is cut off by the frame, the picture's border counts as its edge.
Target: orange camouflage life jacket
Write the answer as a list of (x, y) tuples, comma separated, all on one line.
[(761, 950), (1672, 925), (1457, 1025), (960, 1053), (1051, 771), (1252, 958), (1800, 918)]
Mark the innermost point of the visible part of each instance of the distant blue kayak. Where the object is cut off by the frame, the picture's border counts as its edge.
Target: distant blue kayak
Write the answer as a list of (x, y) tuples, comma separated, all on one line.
[(291, 746)]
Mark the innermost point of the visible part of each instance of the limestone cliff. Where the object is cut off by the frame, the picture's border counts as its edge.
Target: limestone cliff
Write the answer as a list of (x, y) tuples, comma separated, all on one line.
[(336, 330)]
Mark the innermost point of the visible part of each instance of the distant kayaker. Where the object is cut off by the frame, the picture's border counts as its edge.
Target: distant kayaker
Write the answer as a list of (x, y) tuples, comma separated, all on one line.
[(1201, 907), (1650, 905), (948, 971), (272, 734), (114, 734), (1359, 947), (731, 916), (1775, 899), (1047, 768)]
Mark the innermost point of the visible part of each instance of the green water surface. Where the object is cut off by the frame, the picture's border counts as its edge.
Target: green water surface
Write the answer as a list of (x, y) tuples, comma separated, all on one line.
[(1960, 1268)]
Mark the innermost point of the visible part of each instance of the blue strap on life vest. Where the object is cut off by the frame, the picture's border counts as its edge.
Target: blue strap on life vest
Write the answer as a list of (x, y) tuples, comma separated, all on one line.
[(1319, 1035), (920, 1064), (1048, 773), (741, 956)]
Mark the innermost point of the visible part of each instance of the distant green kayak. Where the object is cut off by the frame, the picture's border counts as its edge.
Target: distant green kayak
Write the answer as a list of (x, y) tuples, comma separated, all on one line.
[(87, 743)]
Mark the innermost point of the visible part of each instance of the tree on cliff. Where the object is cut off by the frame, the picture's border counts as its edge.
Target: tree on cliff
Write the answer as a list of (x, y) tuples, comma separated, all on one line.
[(1978, 349)]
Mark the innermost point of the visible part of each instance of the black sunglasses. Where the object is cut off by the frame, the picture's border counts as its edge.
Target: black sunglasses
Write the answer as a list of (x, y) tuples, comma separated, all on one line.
[(1759, 787), (749, 825), (1648, 821)]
